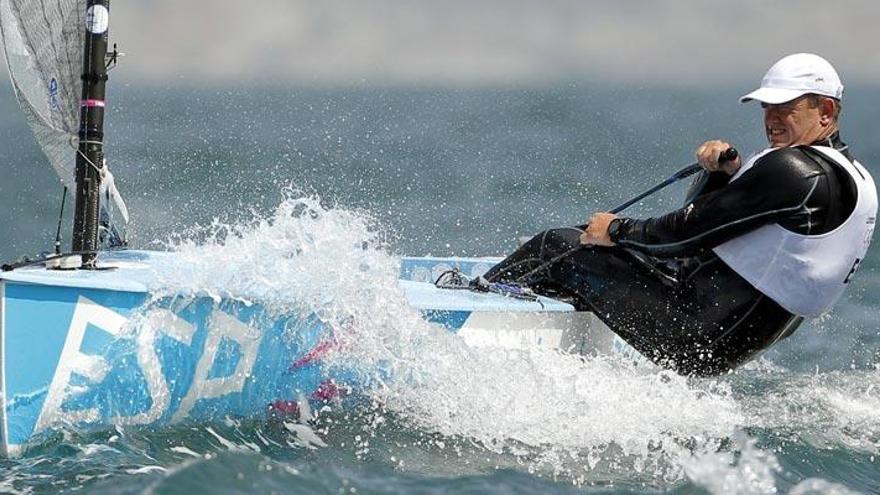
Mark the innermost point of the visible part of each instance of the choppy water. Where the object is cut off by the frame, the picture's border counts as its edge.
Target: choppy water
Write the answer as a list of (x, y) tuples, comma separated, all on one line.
[(448, 172)]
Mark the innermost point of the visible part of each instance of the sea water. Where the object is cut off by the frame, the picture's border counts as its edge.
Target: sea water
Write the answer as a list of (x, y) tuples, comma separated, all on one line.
[(235, 180)]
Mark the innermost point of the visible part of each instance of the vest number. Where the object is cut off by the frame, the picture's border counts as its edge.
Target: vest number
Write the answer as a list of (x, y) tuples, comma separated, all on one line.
[(852, 270)]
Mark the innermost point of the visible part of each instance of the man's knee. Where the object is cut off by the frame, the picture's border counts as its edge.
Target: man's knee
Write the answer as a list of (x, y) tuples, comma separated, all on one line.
[(561, 239)]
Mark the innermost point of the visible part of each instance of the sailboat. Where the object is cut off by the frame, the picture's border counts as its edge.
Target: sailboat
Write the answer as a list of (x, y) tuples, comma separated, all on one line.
[(85, 340)]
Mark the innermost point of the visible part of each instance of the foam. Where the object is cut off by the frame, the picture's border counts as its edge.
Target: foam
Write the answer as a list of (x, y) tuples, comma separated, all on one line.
[(563, 414)]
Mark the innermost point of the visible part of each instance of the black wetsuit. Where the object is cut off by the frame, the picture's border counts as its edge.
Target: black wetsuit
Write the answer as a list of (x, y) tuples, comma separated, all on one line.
[(663, 289)]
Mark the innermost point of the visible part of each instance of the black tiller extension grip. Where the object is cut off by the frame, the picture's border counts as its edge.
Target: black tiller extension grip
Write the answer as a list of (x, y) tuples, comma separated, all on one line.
[(728, 155)]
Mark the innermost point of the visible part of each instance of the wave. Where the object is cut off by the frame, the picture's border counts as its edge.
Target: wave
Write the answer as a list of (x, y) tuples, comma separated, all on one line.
[(430, 406)]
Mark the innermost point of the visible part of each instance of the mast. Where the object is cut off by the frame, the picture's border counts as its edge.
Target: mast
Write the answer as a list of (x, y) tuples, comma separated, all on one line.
[(90, 155)]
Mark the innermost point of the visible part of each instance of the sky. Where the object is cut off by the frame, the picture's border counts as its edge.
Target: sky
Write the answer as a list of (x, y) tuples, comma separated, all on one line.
[(486, 42)]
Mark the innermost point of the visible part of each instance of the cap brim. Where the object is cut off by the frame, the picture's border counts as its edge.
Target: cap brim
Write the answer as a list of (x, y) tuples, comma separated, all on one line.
[(773, 96)]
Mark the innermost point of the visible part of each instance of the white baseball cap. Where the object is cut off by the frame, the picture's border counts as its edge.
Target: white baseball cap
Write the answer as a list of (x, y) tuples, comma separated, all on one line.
[(794, 76)]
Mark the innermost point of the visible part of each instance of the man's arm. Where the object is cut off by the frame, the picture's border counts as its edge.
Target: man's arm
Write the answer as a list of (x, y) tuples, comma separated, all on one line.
[(704, 183), (778, 186)]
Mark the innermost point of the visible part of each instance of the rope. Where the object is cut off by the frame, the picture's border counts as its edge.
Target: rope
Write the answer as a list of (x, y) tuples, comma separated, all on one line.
[(80, 153)]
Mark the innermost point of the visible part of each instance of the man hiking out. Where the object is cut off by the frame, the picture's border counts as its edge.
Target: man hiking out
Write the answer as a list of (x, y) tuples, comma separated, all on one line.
[(760, 244)]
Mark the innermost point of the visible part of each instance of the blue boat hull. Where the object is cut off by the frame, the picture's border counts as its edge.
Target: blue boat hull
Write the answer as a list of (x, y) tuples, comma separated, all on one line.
[(91, 349)]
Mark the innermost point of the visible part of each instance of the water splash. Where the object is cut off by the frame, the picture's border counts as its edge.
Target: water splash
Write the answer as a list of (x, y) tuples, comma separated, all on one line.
[(585, 419), (302, 259), (829, 410), (745, 470), (558, 413)]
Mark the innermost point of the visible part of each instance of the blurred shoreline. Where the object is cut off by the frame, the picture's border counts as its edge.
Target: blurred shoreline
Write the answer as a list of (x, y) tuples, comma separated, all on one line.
[(459, 43)]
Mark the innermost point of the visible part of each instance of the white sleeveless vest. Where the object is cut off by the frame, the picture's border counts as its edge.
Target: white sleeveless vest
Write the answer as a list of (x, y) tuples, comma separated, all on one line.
[(806, 274)]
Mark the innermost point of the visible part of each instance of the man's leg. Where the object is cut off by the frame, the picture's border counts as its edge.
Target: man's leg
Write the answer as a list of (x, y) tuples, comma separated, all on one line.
[(705, 324), (529, 264)]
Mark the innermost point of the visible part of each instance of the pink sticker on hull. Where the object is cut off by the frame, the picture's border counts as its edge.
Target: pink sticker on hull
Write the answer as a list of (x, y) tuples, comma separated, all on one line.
[(326, 391), (314, 355), (283, 409)]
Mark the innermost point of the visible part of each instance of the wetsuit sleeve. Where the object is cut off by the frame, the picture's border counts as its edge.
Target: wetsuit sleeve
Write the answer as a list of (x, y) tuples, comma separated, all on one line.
[(704, 183), (775, 188)]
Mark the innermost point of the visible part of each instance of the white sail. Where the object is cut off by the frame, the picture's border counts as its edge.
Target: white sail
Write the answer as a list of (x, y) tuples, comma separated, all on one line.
[(43, 41)]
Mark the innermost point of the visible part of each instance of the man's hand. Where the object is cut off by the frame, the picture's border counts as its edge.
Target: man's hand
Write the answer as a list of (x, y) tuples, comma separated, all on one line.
[(707, 156), (597, 230)]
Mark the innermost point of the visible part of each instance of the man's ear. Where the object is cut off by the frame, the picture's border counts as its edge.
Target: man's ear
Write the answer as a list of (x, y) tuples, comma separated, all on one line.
[(826, 110)]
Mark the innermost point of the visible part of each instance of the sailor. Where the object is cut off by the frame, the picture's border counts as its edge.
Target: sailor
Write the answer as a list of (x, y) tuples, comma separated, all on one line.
[(760, 244)]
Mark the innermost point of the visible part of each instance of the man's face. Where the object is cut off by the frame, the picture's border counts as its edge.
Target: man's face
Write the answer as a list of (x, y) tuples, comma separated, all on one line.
[(793, 123)]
